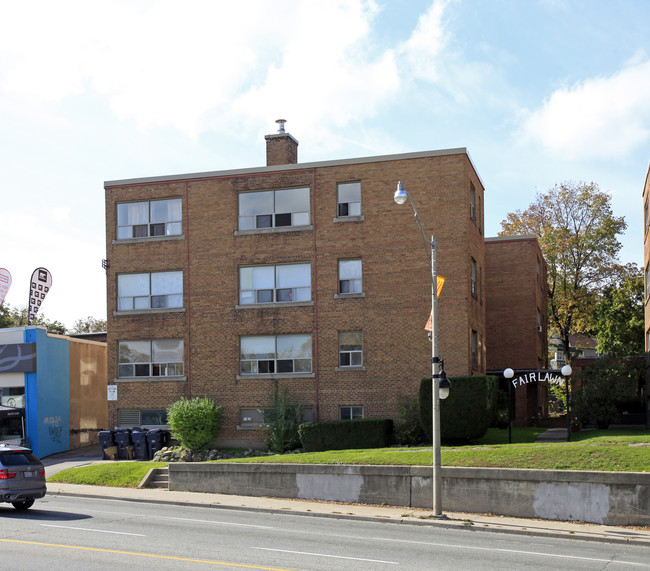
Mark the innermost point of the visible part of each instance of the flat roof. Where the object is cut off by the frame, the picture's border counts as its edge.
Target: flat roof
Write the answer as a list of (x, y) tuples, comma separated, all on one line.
[(289, 167)]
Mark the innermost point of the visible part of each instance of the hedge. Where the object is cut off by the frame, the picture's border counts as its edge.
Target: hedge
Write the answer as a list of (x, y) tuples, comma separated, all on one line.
[(467, 412), (346, 434)]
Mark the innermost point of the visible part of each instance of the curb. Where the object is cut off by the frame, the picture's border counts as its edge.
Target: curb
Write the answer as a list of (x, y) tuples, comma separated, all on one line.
[(446, 523)]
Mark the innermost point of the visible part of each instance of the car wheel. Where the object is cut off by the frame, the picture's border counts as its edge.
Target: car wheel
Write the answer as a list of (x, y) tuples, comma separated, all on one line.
[(24, 505)]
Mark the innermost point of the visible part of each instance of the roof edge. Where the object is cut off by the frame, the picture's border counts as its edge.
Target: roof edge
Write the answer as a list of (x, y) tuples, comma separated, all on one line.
[(288, 167)]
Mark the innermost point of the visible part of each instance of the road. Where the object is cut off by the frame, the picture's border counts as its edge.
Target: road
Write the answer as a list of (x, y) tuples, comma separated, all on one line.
[(75, 533)]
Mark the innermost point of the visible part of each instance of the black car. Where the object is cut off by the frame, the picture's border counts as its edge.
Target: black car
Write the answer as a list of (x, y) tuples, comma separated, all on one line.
[(22, 476)]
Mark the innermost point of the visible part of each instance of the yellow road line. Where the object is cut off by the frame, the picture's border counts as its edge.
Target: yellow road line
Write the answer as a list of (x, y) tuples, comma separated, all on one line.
[(144, 555)]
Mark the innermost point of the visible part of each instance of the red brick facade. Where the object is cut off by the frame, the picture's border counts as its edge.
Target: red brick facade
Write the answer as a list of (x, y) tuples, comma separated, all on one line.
[(516, 316), (391, 311)]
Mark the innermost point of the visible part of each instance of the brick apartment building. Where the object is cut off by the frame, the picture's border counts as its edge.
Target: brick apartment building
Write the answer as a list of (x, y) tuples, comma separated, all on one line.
[(229, 284), (516, 316)]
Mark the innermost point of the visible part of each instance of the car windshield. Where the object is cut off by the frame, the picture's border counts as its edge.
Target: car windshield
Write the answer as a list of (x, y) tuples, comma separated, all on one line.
[(18, 458)]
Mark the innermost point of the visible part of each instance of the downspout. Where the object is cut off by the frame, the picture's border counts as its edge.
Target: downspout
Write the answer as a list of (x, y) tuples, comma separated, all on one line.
[(188, 371), (315, 290)]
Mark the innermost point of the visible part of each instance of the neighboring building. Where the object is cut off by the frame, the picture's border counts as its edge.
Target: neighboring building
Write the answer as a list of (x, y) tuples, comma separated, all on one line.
[(646, 269), (229, 284), (516, 316), (54, 388)]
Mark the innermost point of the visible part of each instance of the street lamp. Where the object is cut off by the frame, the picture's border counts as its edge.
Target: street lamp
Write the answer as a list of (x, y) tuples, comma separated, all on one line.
[(508, 374), (439, 382), (566, 373)]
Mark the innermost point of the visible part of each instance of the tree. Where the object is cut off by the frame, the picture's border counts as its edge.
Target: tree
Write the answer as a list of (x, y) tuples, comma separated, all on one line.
[(577, 233), (282, 418), (618, 318), (89, 325), (17, 317)]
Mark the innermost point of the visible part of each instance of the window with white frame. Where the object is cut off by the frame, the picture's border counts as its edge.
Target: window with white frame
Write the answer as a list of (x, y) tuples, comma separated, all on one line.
[(350, 349), (150, 358), (156, 290), (350, 412), (149, 219), (274, 284), (348, 199), (271, 354), (350, 276), (274, 208)]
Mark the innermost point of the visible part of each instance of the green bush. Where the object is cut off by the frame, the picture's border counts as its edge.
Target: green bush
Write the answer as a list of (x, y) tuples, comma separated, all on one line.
[(195, 423), (603, 386), (466, 413), (346, 434), (282, 419), (408, 430)]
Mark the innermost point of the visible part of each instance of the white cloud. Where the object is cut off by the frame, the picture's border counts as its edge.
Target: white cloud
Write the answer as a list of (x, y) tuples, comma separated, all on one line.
[(599, 118)]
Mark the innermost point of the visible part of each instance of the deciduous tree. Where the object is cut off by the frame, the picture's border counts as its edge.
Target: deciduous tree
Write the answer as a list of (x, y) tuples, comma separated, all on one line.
[(577, 232)]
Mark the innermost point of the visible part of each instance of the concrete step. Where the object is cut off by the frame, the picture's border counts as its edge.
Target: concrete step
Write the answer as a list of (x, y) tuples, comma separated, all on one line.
[(156, 478)]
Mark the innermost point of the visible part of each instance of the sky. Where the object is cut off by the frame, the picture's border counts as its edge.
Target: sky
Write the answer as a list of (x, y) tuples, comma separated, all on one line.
[(540, 92)]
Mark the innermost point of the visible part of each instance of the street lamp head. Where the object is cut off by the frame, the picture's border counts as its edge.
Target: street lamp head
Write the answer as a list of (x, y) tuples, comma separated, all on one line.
[(400, 194), (444, 384), (508, 373), (567, 370)]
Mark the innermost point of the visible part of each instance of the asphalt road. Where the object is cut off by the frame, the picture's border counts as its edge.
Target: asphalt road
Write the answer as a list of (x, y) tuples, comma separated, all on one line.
[(67, 532)]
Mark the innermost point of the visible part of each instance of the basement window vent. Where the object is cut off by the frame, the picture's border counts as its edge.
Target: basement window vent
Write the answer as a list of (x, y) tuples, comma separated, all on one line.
[(128, 418)]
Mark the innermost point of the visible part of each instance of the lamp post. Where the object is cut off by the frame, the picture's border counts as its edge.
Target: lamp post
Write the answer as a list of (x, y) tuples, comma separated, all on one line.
[(439, 382), (508, 374), (566, 373)]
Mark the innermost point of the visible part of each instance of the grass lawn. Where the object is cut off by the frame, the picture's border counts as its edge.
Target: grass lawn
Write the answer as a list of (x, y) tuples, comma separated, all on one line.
[(602, 450)]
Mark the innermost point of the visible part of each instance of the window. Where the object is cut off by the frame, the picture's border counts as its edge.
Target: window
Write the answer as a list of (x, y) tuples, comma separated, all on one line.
[(254, 417), (647, 281), (269, 354), (348, 199), (128, 418), (350, 276), (474, 349), (149, 219), (646, 215), (472, 201), (474, 278), (350, 349), (274, 208), (157, 290), (350, 412), (150, 358), (539, 321), (274, 284)]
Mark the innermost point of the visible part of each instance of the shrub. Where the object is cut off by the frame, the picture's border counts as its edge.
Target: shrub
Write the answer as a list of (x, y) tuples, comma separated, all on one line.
[(194, 422), (346, 434), (409, 430), (466, 413), (282, 419)]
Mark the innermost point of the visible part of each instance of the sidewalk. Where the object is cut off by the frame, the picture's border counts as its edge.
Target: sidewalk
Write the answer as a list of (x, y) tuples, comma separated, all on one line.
[(392, 514)]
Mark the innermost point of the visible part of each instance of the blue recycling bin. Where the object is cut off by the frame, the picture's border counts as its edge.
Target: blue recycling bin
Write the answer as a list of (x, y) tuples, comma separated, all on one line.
[(122, 438), (157, 439), (106, 441), (140, 448)]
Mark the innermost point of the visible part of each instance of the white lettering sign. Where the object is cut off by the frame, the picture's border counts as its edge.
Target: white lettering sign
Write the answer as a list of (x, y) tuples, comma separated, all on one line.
[(538, 377)]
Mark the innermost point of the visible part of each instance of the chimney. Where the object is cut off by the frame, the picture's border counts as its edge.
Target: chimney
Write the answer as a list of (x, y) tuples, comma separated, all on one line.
[(281, 148)]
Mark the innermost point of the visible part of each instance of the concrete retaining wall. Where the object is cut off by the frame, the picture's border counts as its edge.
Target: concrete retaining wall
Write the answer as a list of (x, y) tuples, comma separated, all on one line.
[(613, 498)]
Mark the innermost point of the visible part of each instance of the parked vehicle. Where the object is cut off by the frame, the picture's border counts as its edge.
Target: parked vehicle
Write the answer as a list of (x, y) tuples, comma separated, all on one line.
[(22, 476)]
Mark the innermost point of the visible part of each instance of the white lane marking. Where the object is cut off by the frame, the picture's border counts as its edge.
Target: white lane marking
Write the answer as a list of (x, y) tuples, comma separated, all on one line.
[(326, 555), (517, 551), (95, 530)]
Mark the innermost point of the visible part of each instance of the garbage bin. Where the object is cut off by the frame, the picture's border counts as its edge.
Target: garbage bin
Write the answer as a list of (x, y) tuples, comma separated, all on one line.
[(139, 438), (157, 439), (106, 441), (122, 438)]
